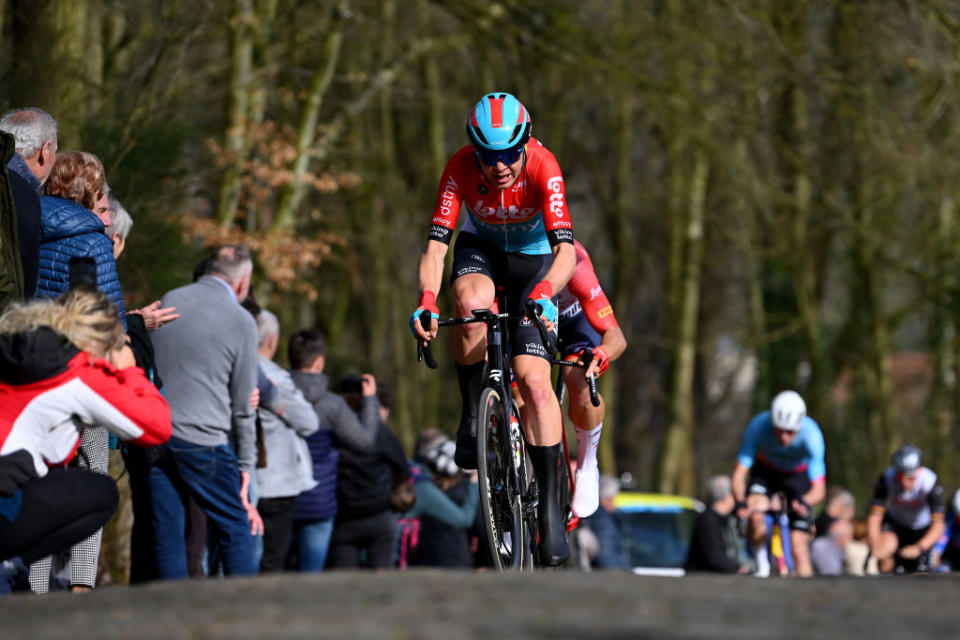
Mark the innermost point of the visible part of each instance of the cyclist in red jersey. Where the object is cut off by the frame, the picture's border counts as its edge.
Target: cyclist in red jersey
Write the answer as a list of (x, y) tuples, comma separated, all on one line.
[(518, 235), (587, 322)]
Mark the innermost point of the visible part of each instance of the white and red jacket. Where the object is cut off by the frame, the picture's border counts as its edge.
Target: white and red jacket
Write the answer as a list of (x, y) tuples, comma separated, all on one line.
[(49, 390)]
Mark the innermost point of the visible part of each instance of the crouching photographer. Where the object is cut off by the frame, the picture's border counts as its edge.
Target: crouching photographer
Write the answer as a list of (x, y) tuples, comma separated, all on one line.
[(64, 363)]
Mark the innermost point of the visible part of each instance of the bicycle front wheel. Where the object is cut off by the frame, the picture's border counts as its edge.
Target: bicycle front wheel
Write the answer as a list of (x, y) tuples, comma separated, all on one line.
[(500, 494)]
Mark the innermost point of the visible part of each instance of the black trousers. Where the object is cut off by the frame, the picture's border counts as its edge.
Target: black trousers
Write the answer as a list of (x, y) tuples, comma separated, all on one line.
[(58, 510), (277, 515), (369, 542)]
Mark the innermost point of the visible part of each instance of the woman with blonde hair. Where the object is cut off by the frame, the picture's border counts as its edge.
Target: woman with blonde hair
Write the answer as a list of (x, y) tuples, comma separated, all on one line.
[(64, 364)]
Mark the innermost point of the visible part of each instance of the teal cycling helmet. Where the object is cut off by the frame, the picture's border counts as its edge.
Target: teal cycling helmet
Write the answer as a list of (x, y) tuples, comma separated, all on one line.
[(498, 122)]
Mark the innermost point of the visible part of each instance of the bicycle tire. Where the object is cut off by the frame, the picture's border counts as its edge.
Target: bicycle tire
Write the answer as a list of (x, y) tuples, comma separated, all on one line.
[(500, 496)]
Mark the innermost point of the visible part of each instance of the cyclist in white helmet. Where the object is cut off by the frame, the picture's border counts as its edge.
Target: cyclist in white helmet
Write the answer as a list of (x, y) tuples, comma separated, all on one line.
[(782, 450)]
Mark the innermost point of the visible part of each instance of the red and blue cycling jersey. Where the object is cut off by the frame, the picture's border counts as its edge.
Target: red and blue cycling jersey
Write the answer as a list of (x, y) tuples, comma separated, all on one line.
[(530, 217), (803, 454), (583, 293)]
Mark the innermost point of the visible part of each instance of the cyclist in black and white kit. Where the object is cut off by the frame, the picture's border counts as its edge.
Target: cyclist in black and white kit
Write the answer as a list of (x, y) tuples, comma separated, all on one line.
[(907, 513)]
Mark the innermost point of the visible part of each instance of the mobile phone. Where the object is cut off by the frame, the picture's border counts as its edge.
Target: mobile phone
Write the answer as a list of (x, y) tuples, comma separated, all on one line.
[(351, 384), (83, 273)]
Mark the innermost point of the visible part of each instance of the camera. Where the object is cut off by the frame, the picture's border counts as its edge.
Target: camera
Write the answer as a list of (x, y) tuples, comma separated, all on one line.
[(351, 384)]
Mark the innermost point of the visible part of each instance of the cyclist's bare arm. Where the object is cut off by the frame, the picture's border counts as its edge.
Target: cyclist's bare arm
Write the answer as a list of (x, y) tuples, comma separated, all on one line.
[(564, 262), (874, 522), (738, 482), (933, 534), (816, 494), (613, 343), (430, 277)]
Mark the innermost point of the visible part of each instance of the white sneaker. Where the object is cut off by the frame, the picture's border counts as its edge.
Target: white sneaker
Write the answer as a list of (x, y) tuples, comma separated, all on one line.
[(586, 496)]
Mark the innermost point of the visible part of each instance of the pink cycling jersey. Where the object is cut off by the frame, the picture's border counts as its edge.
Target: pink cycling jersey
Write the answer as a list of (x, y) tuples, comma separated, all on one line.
[(584, 293)]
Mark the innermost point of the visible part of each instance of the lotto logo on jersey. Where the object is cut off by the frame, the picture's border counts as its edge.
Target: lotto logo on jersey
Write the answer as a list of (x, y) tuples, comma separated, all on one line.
[(449, 193), (555, 186), (606, 311), (512, 214)]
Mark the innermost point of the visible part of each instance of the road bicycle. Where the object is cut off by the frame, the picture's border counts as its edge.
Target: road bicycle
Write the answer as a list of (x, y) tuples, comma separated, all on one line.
[(778, 536), (508, 490)]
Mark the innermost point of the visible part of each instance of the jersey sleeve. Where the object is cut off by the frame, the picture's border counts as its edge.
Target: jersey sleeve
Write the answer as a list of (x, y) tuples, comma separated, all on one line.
[(586, 287), (817, 469), (449, 197), (935, 500), (748, 448), (880, 494), (556, 216)]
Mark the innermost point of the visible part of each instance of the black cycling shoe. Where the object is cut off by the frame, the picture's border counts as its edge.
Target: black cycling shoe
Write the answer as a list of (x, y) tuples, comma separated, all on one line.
[(554, 550)]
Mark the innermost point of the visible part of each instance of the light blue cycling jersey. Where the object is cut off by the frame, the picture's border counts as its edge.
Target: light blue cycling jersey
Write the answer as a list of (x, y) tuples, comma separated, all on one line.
[(805, 453)]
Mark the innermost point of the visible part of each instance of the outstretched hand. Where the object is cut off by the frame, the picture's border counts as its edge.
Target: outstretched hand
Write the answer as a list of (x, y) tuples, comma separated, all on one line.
[(154, 317)]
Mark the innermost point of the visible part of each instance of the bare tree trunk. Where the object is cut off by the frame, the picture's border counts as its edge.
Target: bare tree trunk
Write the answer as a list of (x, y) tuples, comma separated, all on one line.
[(64, 39), (942, 334), (263, 70), (676, 471), (292, 193), (235, 137), (623, 264), (875, 366)]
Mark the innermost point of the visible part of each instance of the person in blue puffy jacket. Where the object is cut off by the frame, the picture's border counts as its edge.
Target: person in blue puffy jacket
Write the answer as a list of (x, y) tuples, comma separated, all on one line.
[(70, 228)]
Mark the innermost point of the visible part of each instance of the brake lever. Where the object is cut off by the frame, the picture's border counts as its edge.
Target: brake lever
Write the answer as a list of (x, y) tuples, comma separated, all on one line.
[(534, 311), (591, 379), (424, 352)]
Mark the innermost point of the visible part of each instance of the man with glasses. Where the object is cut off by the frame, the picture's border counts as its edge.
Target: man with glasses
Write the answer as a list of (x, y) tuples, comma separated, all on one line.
[(782, 450), (517, 235)]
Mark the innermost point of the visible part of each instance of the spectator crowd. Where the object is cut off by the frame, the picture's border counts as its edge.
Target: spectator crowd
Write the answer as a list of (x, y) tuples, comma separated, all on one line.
[(237, 466), (241, 466)]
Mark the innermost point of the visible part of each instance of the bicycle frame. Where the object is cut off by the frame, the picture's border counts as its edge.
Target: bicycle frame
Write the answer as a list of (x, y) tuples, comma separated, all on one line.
[(497, 376)]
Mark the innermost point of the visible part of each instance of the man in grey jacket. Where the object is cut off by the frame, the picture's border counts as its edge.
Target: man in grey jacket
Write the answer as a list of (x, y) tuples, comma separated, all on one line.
[(286, 420), (208, 362)]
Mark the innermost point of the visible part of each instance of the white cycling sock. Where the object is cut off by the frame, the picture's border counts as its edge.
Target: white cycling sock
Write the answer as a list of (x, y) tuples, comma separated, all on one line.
[(587, 443), (763, 561)]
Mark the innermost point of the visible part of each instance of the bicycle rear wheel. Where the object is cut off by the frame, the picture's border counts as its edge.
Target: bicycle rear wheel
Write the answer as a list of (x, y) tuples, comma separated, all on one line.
[(500, 494)]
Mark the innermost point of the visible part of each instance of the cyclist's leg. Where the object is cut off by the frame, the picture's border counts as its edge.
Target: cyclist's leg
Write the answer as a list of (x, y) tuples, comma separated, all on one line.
[(541, 410), (887, 547), (906, 537), (577, 334), (472, 288), (801, 527), (800, 545), (542, 421), (541, 417), (759, 490)]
